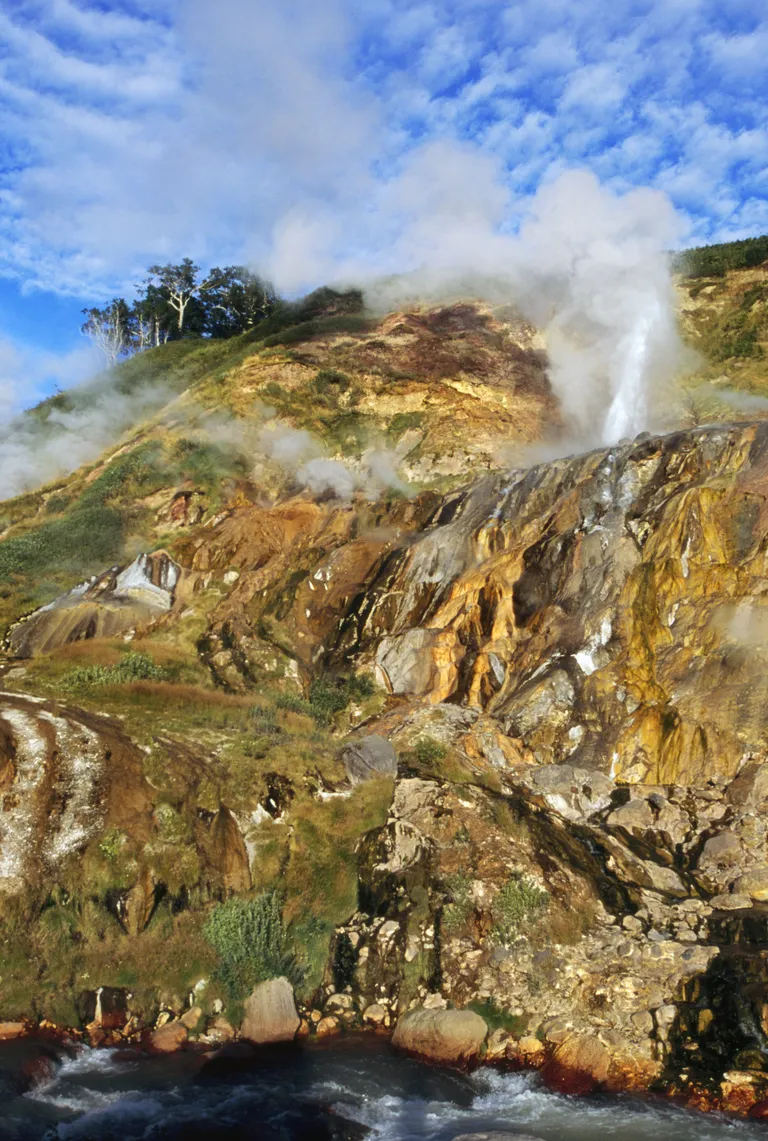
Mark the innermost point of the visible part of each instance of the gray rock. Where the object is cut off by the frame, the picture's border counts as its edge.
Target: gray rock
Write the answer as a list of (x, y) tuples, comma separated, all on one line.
[(369, 757), (270, 1013)]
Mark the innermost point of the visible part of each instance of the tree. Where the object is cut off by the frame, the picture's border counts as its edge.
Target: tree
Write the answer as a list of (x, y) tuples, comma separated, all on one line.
[(152, 316), (235, 300), (178, 284), (109, 329)]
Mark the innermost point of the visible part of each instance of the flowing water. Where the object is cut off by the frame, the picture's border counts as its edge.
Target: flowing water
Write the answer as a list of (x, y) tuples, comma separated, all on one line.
[(351, 1089)]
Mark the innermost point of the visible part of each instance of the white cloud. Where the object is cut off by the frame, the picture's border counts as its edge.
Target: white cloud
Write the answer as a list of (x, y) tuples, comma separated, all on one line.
[(282, 132)]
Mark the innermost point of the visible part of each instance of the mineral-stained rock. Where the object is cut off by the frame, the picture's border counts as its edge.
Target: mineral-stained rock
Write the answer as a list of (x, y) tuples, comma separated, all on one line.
[(100, 608), (448, 1036), (270, 1013), (368, 757), (327, 1027), (579, 1064)]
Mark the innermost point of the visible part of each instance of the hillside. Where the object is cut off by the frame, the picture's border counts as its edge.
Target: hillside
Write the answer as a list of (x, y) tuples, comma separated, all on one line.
[(495, 734), (723, 293)]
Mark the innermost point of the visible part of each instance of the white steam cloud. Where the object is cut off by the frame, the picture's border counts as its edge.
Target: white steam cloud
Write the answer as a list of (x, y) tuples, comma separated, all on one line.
[(593, 272), (301, 456)]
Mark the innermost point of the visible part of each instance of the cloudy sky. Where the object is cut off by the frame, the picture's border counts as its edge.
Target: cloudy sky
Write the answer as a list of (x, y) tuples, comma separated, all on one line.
[(320, 139)]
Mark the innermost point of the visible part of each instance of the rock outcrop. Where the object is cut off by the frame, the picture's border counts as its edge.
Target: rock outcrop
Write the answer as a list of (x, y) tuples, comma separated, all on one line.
[(368, 758), (575, 720), (106, 605)]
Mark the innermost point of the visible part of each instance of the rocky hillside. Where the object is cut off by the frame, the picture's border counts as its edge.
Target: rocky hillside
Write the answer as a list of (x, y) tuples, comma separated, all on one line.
[(421, 730)]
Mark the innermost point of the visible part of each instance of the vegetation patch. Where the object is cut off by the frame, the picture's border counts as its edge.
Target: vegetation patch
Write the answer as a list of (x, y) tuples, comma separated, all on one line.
[(498, 1019), (252, 943), (327, 697), (521, 901), (715, 261), (133, 666)]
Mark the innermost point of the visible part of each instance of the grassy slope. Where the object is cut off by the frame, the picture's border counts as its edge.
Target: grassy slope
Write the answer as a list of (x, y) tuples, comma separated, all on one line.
[(724, 316)]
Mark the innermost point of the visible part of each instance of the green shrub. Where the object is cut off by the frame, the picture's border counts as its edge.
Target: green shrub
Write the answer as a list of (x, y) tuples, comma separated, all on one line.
[(330, 380), (252, 943), (428, 751), (327, 696), (134, 666), (520, 901), (403, 422)]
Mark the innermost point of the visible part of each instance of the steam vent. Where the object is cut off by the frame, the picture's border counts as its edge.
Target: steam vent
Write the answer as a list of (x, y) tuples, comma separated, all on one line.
[(336, 698)]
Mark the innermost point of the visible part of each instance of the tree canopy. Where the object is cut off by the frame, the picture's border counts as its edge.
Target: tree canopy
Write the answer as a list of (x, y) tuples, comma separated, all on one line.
[(173, 301)]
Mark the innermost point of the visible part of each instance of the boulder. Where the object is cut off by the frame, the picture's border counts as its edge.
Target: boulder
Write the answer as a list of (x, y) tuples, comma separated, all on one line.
[(328, 1026), (754, 884), (191, 1018), (219, 1029), (579, 1064), (168, 1038), (270, 1013), (368, 758), (450, 1036), (11, 1030)]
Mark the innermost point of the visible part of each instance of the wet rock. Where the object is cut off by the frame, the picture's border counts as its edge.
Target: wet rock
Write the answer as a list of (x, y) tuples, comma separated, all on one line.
[(327, 1027), (369, 757), (102, 607), (448, 1036), (219, 1029), (270, 1013)]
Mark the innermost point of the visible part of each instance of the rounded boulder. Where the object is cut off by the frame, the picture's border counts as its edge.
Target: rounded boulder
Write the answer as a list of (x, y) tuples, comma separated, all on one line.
[(455, 1037), (270, 1013)]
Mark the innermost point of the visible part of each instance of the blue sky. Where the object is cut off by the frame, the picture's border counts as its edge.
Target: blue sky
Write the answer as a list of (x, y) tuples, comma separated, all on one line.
[(318, 139)]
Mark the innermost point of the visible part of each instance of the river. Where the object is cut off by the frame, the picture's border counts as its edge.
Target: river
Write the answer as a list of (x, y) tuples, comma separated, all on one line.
[(352, 1088)]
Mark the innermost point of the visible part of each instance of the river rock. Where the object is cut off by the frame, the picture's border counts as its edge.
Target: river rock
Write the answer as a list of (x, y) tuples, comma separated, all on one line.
[(168, 1038), (11, 1030), (370, 757), (270, 1013), (451, 1036)]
